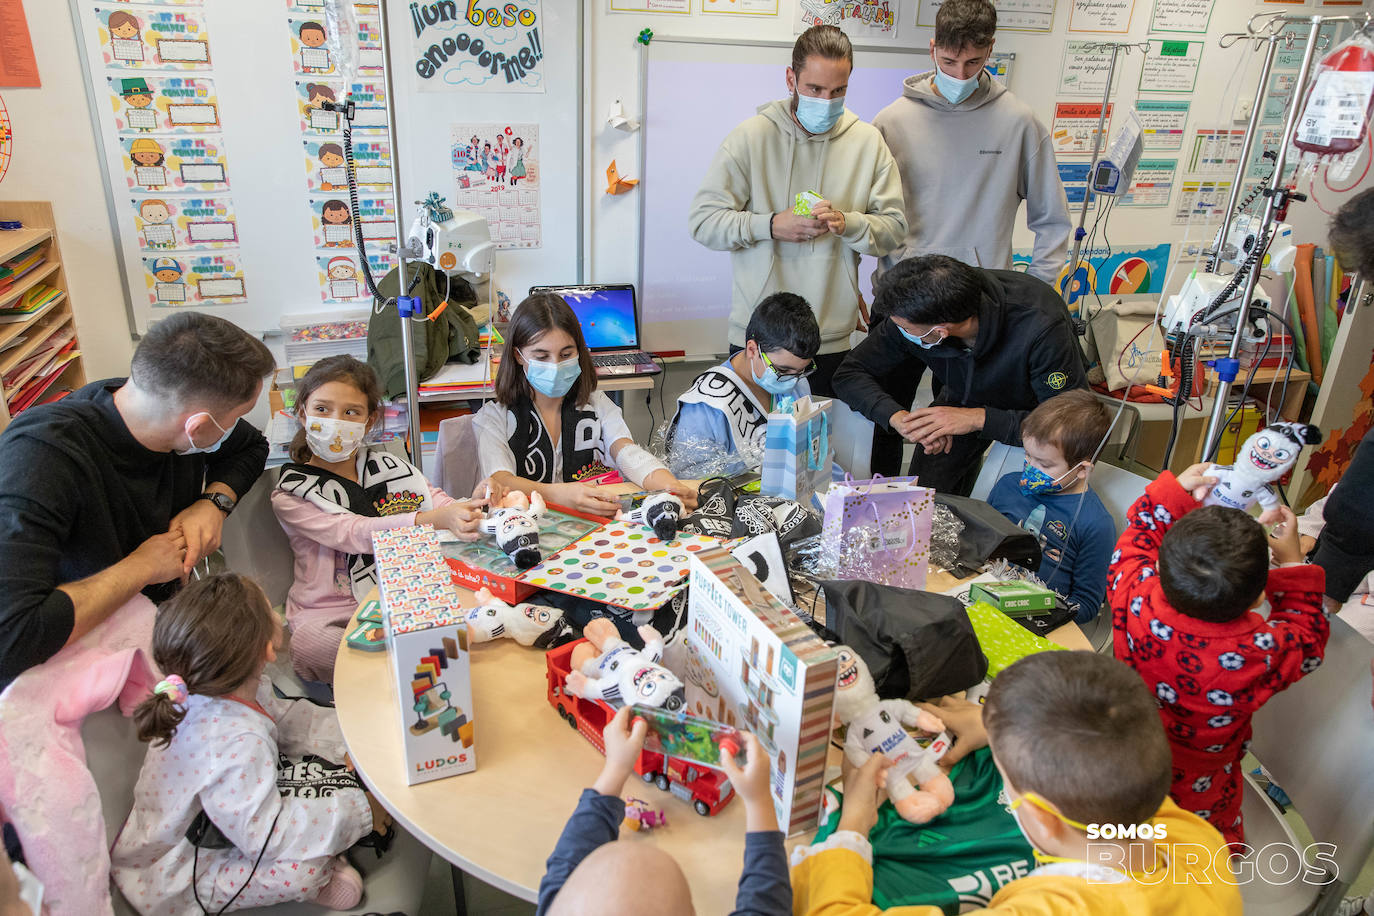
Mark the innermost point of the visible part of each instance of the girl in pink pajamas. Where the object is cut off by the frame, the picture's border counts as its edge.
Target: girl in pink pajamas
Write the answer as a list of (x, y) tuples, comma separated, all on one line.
[(262, 781)]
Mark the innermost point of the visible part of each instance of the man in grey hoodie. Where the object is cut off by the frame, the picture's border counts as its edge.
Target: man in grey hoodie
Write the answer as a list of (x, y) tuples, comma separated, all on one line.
[(807, 142), (969, 152)]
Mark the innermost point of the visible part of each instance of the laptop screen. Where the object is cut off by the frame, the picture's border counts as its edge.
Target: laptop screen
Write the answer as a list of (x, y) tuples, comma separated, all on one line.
[(606, 313)]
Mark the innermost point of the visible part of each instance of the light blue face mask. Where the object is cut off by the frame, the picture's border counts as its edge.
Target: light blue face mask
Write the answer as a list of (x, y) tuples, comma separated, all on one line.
[(553, 379), (772, 383), (818, 115), (198, 450), (954, 90), (920, 341)]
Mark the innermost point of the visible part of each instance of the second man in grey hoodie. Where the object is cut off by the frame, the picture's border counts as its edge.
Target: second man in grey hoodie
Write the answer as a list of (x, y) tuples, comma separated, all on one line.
[(805, 143)]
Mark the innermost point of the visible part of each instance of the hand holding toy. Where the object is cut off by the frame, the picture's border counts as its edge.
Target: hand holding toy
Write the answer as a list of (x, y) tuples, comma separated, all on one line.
[(1261, 459), (516, 527), (753, 781), (624, 739)]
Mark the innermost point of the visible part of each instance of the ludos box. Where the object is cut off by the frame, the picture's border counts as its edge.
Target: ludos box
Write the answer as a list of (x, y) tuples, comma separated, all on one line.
[(752, 663), (1014, 598), (428, 650)]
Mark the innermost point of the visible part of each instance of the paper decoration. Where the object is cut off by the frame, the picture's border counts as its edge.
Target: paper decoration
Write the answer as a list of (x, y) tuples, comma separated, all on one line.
[(741, 7), (504, 53), (615, 184), (860, 19), (135, 37), (1074, 126), (1201, 201), (496, 170), (1162, 123), (333, 223), (1181, 16), (1215, 151), (1171, 66), (1012, 15), (622, 565), (1084, 70), (1152, 184), (18, 66), (196, 280), (179, 163), (617, 118), (1119, 270), (175, 223), (682, 7), (176, 104), (1074, 175), (326, 169), (341, 278), (1100, 15), (310, 40)]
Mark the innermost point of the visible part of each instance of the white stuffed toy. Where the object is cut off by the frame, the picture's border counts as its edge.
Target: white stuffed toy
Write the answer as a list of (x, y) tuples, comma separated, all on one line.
[(919, 789), (516, 527), (1265, 456), (528, 624), (608, 668), (659, 511)]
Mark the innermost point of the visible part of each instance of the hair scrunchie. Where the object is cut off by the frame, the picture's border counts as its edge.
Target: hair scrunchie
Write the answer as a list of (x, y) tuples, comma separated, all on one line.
[(173, 687)]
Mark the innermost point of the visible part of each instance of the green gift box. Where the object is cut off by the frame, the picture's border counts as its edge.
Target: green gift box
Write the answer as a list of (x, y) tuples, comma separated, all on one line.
[(1015, 598)]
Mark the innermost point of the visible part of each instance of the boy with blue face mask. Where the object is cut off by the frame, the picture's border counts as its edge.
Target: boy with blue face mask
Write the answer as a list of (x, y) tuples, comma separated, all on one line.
[(969, 152), (1077, 740), (1050, 497), (805, 142), (722, 417)]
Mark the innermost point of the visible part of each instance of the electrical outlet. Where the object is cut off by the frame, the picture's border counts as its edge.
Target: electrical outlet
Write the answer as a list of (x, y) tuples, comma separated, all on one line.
[(1244, 108)]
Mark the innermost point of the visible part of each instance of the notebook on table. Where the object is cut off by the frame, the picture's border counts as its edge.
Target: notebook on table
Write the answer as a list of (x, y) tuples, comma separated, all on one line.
[(610, 325)]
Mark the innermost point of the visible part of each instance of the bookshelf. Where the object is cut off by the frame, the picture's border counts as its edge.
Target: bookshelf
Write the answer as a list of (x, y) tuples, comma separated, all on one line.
[(22, 340)]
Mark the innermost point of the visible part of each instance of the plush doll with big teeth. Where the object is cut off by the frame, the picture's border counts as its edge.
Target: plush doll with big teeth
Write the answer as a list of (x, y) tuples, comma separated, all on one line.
[(1264, 457), (516, 527)]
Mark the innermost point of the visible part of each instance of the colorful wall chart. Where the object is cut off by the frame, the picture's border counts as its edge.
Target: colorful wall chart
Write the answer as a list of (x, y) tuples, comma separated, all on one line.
[(139, 37), (1117, 271), (496, 173)]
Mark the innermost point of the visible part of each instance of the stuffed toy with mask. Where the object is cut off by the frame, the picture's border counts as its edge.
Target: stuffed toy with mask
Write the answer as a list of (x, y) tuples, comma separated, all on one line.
[(528, 624), (515, 524), (1261, 459), (608, 668), (659, 511), (918, 788)]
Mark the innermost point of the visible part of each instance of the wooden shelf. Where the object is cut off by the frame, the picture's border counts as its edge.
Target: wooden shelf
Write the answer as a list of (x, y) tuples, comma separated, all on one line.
[(28, 282), (51, 324), (12, 330), (14, 241)]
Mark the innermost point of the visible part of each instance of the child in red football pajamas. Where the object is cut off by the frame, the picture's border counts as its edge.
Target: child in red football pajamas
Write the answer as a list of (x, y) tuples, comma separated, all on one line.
[(1183, 587)]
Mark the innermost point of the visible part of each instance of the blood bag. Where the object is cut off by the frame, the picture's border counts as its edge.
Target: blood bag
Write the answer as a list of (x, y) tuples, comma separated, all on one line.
[(1336, 112)]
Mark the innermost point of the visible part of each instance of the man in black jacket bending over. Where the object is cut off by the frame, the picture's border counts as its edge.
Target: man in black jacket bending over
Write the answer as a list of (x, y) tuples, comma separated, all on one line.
[(998, 343), (124, 485)]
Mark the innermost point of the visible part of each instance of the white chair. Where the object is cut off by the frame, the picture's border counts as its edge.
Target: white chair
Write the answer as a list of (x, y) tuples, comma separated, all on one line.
[(851, 438), (999, 459), (394, 883), (1316, 740), (456, 469), (1118, 489)]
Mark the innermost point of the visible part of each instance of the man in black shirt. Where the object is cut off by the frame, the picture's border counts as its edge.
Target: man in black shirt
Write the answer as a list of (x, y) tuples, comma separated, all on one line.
[(124, 485), (998, 343)]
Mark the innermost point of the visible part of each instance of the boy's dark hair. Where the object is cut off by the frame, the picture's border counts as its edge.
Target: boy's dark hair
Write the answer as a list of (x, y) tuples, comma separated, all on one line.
[(1083, 731), (334, 148), (334, 369), (1213, 563), (964, 24), (533, 317), (1074, 422), (212, 635), (311, 27), (931, 289), (1352, 234), (784, 321), (821, 41), (201, 361)]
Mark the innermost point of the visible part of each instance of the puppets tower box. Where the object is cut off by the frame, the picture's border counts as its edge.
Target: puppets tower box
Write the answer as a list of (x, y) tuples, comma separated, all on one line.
[(750, 662), (428, 651)]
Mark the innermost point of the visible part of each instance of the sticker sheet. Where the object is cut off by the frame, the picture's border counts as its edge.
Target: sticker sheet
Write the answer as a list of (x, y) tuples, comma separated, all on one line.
[(175, 223), (622, 565), (136, 37), (194, 281), (164, 104), (174, 164)]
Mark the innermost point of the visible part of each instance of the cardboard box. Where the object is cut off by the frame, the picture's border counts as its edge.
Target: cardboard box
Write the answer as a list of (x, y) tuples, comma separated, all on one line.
[(1015, 599), (748, 661), (481, 564), (428, 651)]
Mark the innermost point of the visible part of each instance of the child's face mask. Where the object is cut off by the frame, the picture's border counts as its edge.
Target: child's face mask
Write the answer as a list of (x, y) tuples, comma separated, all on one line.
[(330, 439), (1035, 482)]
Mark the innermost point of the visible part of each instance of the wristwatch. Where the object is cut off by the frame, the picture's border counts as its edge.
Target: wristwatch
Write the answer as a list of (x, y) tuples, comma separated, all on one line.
[(222, 502)]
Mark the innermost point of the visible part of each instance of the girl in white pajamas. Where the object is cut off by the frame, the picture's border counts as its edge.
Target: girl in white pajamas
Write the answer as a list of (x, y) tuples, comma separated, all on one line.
[(269, 774)]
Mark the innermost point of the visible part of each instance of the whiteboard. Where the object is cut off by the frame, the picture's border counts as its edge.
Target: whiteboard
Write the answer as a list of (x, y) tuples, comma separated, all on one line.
[(686, 294)]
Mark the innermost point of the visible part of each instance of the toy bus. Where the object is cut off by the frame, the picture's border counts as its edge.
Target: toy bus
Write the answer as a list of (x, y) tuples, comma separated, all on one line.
[(705, 789)]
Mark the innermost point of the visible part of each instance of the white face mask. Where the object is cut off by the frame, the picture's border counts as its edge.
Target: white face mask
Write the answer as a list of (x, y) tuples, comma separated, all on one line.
[(333, 440), (196, 449)]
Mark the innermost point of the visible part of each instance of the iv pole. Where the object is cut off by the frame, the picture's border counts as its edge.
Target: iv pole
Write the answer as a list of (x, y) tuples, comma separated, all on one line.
[(1277, 198), (1079, 234)]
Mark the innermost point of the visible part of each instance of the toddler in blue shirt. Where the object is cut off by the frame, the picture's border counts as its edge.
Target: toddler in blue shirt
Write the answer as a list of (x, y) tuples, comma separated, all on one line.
[(1051, 498)]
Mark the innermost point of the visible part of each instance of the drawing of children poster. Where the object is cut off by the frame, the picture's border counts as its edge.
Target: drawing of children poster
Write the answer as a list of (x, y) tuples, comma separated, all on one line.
[(496, 173), (179, 104), (341, 278), (309, 54), (175, 163), (163, 39), (195, 280), (182, 223), (333, 223)]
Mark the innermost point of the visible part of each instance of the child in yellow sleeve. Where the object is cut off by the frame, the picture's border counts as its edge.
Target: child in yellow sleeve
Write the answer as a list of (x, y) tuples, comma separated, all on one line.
[(1078, 741)]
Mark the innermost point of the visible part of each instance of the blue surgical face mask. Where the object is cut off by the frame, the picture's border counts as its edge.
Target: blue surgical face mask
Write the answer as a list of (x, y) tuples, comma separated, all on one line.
[(772, 383), (954, 90), (818, 115), (552, 379), (920, 341), (197, 450), (1035, 482)]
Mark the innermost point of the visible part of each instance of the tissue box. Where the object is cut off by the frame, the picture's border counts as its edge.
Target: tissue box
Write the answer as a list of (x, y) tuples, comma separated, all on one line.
[(805, 201), (428, 650), (1015, 599)]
